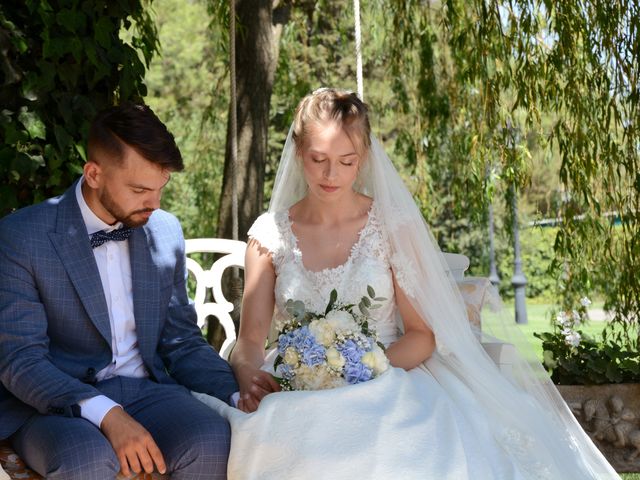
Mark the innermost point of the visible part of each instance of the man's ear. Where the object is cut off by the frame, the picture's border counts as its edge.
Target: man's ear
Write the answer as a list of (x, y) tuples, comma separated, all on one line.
[(92, 174)]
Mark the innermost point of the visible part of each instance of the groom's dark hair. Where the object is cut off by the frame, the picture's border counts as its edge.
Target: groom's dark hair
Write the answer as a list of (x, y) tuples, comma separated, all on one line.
[(138, 127)]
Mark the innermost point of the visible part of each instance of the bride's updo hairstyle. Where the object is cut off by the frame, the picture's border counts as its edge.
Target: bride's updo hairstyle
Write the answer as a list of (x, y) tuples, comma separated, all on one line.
[(330, 104)]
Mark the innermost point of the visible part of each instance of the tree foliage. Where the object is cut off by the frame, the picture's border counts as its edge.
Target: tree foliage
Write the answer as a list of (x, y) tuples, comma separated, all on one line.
[(62, 60), (187, 86), (578, 61), (469, 99), (564, 75)]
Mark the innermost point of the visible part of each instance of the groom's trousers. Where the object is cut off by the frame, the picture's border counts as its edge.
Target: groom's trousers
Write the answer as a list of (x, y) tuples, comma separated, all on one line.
[(193, 439)]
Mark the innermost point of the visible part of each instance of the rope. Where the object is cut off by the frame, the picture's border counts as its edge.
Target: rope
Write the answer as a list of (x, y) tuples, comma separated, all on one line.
[(356, 14), (234, 138), (233, 120)]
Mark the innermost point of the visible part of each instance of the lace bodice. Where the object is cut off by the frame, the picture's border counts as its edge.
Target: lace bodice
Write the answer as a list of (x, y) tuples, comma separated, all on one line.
[(368, 264)]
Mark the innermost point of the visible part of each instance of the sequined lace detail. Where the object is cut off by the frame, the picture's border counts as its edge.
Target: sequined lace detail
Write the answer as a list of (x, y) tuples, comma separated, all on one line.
[(367, 264), (369, 244), (405, 274)]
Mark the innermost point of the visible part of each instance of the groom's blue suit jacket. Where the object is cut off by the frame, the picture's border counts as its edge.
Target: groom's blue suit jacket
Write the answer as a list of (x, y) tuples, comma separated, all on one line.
[(55, 333)]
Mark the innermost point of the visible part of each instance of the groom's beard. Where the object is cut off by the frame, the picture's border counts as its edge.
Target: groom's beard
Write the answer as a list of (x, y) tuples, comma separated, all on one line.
[(111, 206)]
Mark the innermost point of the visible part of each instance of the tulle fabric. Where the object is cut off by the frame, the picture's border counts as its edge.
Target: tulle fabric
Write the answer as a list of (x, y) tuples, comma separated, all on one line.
[(527, 415)]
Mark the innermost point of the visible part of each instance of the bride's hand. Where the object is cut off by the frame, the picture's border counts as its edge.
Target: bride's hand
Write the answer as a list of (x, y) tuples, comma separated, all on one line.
[(255, 384)]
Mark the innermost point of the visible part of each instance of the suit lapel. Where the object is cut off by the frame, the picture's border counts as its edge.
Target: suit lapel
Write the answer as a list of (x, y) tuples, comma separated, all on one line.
[(146, 291), (71, 242)]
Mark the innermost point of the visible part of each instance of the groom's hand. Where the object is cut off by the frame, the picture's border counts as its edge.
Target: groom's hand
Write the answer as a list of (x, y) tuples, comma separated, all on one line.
[(134, 446), (261, 384)]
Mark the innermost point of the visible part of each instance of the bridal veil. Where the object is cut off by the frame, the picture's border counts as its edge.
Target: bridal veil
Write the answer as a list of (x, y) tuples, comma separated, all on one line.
[(527, 416)]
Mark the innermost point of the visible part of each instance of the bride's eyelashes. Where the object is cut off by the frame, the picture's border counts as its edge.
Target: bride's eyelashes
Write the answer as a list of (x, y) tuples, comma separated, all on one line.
[(346, 163)]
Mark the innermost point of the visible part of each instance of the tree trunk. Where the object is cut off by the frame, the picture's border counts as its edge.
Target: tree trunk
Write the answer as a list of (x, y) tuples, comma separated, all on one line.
[(258, 34)]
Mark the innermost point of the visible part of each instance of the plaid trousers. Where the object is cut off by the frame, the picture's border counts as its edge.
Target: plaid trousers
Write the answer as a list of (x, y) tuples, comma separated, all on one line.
[(193, 439)]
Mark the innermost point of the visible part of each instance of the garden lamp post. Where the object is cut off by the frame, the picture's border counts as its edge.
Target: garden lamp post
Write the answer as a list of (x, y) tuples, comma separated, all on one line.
[(519, 281), (494, 278)]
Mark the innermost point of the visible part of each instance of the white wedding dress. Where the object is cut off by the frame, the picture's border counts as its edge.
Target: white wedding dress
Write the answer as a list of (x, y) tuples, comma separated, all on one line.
[(455, 417), (402, 425)]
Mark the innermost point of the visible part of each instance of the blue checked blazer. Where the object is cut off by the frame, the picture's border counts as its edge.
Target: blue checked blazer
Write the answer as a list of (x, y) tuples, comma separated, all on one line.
[(55, 333)]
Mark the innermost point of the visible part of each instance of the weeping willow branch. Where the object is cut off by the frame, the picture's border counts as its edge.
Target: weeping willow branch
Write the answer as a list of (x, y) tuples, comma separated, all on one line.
[(519, 62)]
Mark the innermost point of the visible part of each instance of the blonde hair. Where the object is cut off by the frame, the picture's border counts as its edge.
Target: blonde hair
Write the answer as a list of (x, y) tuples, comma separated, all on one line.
[(330, 104)]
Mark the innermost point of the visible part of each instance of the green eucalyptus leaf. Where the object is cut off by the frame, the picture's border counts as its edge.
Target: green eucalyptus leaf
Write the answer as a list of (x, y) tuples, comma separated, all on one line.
[(333, 297), (278, 361)]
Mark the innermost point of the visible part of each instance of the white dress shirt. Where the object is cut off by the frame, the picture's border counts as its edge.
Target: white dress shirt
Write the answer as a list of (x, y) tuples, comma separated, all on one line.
[(114, 266)]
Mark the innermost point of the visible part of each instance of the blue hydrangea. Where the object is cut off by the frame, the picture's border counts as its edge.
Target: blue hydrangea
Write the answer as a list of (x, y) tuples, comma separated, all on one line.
[(351, 352), (304, 342), (300, 339), (356, 372), (314, 355), (284, 342), (303, 339)]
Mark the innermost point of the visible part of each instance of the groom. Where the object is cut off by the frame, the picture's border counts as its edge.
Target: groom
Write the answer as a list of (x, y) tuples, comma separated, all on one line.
[(99, 344)]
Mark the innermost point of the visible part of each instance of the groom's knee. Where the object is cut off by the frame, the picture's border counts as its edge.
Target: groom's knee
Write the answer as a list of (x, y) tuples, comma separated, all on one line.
[(92, 460), (205, 449), (65, 448)]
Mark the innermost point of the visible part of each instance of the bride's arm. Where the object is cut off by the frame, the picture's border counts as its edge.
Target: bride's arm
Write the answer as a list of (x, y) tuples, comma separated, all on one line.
[(257, 309), (418, 342)]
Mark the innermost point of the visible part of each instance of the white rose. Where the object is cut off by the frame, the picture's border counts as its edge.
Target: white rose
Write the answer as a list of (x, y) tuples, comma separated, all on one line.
[(291, 357), (315, 378), (341, 320), (376, 360), (323, 332), (334, 358), (303, 374)]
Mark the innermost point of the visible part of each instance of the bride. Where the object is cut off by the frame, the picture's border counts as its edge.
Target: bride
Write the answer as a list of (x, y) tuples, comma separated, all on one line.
[(341, 218)]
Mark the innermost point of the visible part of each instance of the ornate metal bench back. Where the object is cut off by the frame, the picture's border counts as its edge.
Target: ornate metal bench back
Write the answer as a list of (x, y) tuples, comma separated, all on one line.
[(232, 252)]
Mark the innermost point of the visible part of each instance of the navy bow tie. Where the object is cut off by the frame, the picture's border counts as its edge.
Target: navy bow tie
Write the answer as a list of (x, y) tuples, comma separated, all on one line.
[(101, 237)]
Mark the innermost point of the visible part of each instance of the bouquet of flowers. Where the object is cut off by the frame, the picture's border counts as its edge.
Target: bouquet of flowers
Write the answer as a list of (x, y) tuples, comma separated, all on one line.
[(317, 351)]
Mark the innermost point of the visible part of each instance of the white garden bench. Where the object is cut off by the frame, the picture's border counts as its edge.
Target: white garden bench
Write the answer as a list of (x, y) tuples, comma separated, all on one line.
[(209, 277), (232, 255)]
